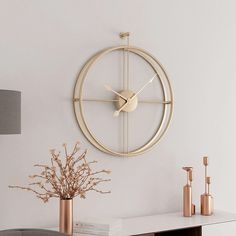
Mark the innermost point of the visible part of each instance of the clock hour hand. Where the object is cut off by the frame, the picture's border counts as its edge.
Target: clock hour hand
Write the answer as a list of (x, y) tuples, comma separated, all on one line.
[(108, 88), (117, 112)]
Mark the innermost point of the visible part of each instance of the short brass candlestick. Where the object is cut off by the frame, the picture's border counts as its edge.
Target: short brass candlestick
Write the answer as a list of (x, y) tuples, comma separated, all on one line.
[(206, 198)]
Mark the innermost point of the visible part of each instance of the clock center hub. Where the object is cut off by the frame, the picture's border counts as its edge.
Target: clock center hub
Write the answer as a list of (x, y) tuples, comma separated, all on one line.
[(132, 103)]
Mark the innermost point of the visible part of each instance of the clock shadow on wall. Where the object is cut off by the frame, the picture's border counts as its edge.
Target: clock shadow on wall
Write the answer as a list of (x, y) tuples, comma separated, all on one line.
[(123, 100)]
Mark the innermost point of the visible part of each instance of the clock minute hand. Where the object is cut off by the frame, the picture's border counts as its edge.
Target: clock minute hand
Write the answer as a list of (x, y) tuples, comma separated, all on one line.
[(140, 90), (117, 112), (108, 88)]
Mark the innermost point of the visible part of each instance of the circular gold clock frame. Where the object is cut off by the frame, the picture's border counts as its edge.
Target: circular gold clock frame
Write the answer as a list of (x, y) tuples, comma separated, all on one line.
[(166, 91)]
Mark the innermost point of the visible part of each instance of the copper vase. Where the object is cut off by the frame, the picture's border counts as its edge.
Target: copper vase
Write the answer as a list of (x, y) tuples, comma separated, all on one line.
[(66, 216)]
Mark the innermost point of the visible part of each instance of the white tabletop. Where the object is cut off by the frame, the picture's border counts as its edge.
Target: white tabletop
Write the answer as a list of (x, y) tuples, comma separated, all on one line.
[(171, 221), (166, 222)]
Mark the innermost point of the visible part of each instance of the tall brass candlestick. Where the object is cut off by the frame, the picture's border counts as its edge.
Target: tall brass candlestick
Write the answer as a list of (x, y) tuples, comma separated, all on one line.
[(206, 198)]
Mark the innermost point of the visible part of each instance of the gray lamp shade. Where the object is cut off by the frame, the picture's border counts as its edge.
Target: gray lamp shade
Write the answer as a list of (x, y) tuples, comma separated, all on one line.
[(10, 112)]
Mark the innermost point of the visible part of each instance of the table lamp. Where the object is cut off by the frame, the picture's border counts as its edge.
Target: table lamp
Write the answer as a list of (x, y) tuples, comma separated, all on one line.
[(10, 112)]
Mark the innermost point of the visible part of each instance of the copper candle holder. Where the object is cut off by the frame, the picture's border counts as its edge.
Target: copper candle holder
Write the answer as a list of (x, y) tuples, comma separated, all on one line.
[(188, 206), (206, 198)]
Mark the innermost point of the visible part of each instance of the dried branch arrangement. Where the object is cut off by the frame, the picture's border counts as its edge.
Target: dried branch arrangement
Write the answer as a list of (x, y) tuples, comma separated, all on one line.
[(65, 179)]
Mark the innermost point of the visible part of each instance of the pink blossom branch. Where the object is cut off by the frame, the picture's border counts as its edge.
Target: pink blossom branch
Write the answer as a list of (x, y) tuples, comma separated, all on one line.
[(66, 178)]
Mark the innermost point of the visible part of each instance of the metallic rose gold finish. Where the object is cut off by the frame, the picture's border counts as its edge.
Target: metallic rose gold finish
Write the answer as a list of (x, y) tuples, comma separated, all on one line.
[(187, 168), (205, 161), (206, 204), (208, 180), (193, 209), (206, 198), (188, 207), (191, 176), (187, 201), (66, 216)]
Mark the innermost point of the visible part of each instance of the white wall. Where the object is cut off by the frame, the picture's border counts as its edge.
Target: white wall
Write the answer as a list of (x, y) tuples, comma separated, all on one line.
[(43, 45)]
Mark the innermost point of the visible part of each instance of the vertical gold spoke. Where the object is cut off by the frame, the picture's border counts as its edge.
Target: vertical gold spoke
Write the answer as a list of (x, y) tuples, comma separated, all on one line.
[(127, 133), (128, 83), (124, 85), (123, 131)]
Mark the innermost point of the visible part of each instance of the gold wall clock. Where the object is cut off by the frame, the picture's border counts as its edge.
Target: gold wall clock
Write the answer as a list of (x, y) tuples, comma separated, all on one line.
[(123, 100)]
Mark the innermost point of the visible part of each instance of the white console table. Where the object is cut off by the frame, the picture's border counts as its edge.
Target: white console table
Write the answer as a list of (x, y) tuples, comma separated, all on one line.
[(174, 224)]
